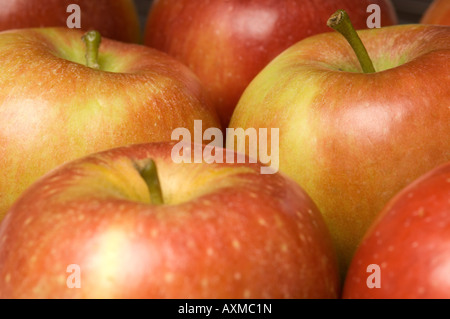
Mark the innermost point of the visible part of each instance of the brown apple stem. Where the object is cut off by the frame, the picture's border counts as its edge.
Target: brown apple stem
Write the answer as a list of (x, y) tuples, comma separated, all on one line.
[(92, 39), (150, 175), (340, 22)]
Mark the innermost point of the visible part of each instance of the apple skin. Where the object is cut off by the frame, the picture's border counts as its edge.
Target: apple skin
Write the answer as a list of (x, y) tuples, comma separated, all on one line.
[(437, 13), (225, 231), (228, 42), (116, 19), (410, 241), (353, 140), (54, 109)]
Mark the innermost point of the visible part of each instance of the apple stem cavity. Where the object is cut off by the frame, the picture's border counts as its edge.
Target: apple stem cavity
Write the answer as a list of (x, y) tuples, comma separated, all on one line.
[(150, 175), (340, 21), (92, 39)]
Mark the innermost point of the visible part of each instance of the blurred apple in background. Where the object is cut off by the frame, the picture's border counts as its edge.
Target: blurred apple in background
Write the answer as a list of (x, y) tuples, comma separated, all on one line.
[(55, 107), (409, 242), (437, 13), (177, 231), (115, 19), (353, 140), (227, 42)]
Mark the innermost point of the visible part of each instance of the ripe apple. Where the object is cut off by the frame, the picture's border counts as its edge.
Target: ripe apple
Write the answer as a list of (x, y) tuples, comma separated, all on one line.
[(437, 13), (228, 42), (409, 242), (55, 108), (135, 224), (352, 139), (115, 19)]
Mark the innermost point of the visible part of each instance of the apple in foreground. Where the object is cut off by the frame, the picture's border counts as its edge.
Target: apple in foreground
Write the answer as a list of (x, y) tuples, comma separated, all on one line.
[(353, 139), (437, 13), (137, 225), (228, 42), (409, 242), (56, 105), (114, 19)]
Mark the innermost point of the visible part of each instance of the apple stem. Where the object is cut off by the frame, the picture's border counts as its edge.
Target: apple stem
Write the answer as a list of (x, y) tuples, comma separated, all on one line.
[(150, 175), (340, 22), (92, 39)]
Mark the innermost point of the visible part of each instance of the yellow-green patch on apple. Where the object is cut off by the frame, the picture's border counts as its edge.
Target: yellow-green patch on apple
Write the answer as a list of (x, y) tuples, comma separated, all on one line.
[(352, 139)]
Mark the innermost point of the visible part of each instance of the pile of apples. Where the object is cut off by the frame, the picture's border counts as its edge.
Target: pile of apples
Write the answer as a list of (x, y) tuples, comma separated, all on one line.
[(93, 205)]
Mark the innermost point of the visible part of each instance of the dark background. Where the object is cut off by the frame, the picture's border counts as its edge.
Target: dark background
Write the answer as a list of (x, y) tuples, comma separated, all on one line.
[(408, 11)]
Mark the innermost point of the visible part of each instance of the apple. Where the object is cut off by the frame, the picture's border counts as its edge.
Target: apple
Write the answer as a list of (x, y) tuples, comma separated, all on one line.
[(56, 105), (437, 13), (116, 19), (409, 243), (353, 139), (131, 223), (228, 42)]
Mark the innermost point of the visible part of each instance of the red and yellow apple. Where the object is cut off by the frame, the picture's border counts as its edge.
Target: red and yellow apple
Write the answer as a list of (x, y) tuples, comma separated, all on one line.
[(228, 42), (409, 242), (351, 139), (55, 108), (437, 13), (219, 230), (115, 19)]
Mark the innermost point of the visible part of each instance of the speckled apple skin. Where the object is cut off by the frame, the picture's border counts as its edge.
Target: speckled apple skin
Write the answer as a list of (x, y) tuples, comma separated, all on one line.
[(409, 242), (53, 108), (224, 231)]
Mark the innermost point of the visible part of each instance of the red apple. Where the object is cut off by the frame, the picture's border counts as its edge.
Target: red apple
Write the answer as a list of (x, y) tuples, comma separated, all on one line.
[(227, 42), (115, 19), (437, 13), (54, 108), (410, 244), (352, 140), (218, 231)]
